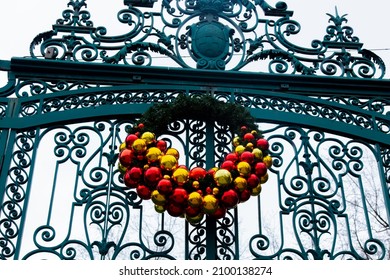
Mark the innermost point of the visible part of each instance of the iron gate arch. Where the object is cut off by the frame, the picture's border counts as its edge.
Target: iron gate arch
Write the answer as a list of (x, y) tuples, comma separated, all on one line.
[(63, 118)]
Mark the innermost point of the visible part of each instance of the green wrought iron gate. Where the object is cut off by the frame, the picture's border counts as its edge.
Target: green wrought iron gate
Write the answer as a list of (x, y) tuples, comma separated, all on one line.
[(63, 116)]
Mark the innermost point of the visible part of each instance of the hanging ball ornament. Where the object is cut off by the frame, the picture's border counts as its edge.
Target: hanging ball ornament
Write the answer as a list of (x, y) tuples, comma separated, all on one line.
[(148, 137), (139, 146), (210, 204), (168, 162), (153, 154)]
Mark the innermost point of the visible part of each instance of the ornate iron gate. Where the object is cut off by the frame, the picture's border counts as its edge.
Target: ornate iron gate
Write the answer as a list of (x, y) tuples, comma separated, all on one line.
[(63, 118)]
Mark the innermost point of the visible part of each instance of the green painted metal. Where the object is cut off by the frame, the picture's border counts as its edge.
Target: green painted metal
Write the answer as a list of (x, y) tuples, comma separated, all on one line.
[(64, 113)]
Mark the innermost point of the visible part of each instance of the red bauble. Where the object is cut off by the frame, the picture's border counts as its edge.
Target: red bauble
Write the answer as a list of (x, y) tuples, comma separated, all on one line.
[(262, 144), (245, 195), (175, 210), (219, 213), (130, 140), (129, 182), (192, 211), (179, 197), (126, 157), (153, 176), (162, 145), (135, 173), (249, 137), (229, 198), (144, 192), (197, 173), (228, 165), (248, 157), (164, 186), (232, 157), (260, 169), (253, 181)]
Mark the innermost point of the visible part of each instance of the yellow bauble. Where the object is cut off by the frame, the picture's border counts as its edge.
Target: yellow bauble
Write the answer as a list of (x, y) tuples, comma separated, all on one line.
[(223, 177), (153, 154), (122, 147), (168, 162), (249, 147), (239, 149), (268, 161), (159, 208), (240, 183), (215, 191), (196, 184), (139, 145), (257, 190), (148, 136), (173, 152), (244, 168), (236, 141), (194, 220), (158, 198), (180, 176), (264, 179), (195, 199), (210, 204), (257, 153)]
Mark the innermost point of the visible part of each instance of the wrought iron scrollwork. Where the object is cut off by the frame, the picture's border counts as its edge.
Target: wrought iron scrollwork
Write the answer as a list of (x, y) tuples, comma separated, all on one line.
[(209, 34)]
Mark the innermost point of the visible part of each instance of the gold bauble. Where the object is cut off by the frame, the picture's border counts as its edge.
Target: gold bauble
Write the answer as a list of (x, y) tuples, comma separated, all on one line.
[(257, 190), (196, 184), (139, 146), (122, 169), (215, 191), (180, 176), (244, 168), (210, 204), (173, 152), (195, 199), (158, 198), (194, 220), (236, 141), (264, 179), (258, 154), (268, 161), (239, 149), (153, 154), (122, 147), (168, 162), (159, 208), (148, 136), (240, 183), (223, 177)]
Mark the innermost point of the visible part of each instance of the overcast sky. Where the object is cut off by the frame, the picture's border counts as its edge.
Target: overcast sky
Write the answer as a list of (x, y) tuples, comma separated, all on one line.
[(22, 20)]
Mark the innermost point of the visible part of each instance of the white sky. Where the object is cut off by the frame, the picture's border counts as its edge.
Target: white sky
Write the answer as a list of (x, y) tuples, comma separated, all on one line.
[(22, 20)]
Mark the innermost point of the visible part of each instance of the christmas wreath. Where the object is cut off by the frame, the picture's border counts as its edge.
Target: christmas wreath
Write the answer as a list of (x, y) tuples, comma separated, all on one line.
[(152, 168)]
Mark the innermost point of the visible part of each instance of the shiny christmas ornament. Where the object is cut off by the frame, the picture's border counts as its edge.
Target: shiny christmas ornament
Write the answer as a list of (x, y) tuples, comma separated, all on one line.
[(130, 140), (173, 152), (268, 161), (126, 157), (139, 146), (243, 168), (236, 141), (180, 176), (168, 162), (264, 179), (252, 181), (153, 154), (212, 171), (223, 178), (135, 173), (247, 156), (195, 199), (197, 173), (196, 184), (215, 191), (164, 186), (228, 165), (245, 195), (152, 176), (262, 144), (195, 220), (232, 157), (210, 204), (249, 147), (239, 149), (130, 183), (192, 211), (122, 146), (175, 210), (230, 199), (149, 137), (158, 198), (260, 169), (179, 196), (240, 183), (257, 153), (159, 209), (144, 192), (162, 145), (122, 169), (219, 213), (257, 190), (249, 137)]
